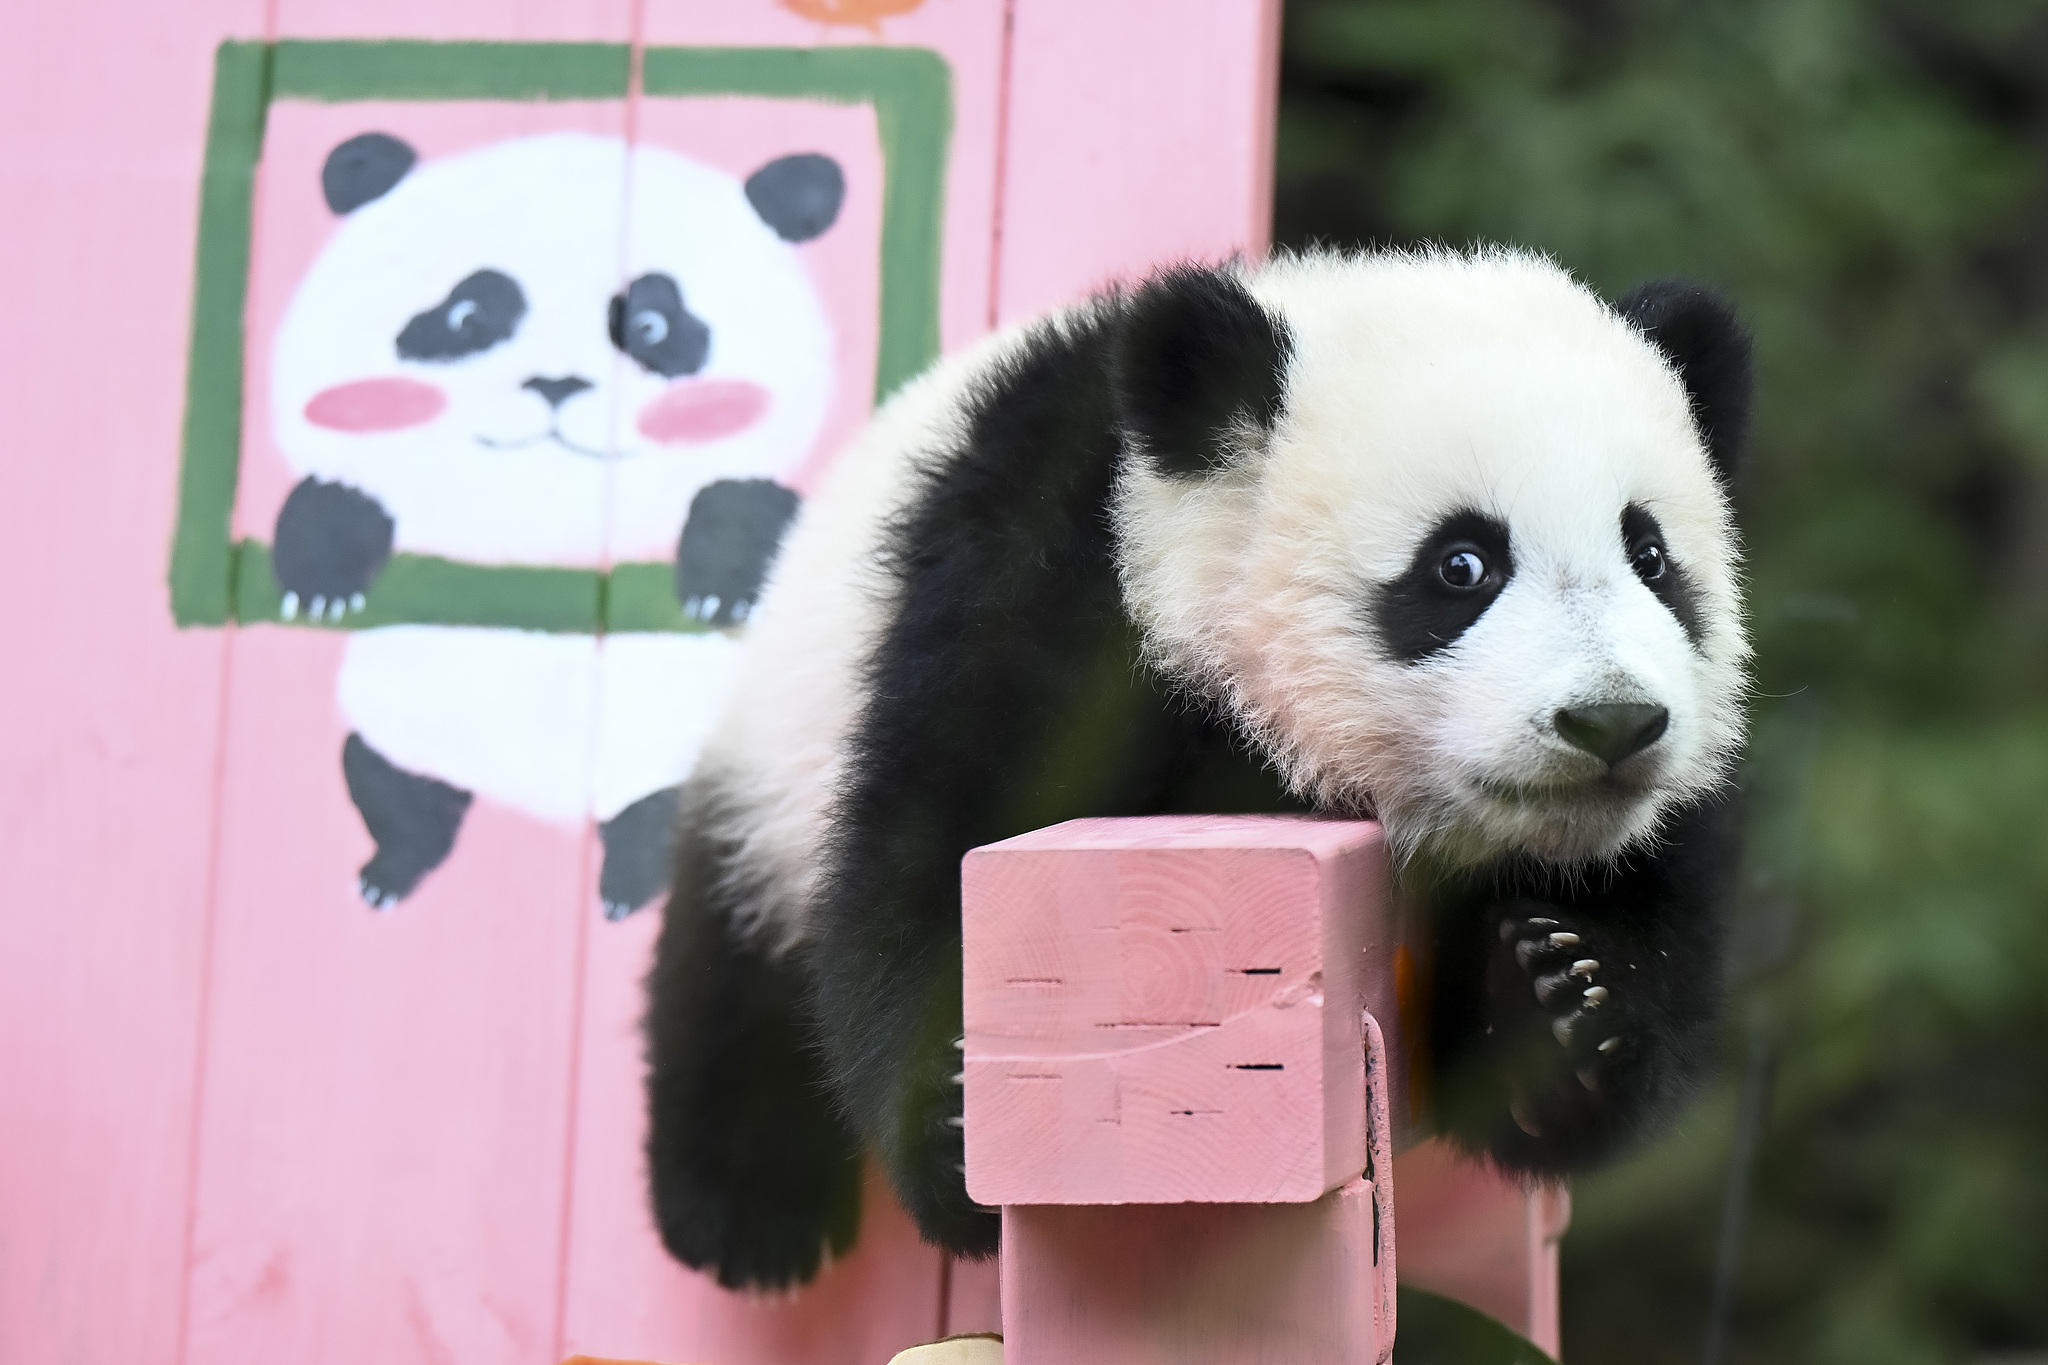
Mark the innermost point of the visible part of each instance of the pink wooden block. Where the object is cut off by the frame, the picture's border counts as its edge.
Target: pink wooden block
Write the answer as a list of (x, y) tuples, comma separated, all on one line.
[(1168, 1009), (1472, 1234), (1193, 1284)]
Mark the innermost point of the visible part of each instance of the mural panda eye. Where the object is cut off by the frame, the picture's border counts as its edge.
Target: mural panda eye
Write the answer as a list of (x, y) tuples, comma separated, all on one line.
[(481, 311), (1648, 562), (1463, 569), (650, 323), (649, 327)]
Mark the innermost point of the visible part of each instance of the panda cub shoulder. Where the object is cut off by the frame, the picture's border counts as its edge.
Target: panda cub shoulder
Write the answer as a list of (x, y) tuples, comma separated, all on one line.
[(1442, 538)]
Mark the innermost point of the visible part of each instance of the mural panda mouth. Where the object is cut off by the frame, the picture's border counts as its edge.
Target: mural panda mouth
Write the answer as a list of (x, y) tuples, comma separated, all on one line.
[(687, 412), (552, 434)]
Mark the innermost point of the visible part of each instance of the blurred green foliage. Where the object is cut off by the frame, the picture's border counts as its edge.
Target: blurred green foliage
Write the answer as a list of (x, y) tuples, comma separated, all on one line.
[(1866, 180)]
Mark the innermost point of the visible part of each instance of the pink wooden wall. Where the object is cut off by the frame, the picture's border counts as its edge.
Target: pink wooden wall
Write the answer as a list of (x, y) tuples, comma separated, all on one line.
[(246, 1118)]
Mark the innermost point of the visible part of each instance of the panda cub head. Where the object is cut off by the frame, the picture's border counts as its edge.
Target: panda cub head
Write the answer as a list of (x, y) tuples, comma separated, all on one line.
[(1449, 534)]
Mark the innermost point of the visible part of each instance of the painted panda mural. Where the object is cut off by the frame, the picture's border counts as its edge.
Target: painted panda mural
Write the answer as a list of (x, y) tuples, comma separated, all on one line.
[(466, 371), (1440, 538)]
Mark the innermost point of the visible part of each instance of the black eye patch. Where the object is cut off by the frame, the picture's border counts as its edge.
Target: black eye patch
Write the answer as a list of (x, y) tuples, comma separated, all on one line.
[(1459, 569), (478, 313), (1642, 539), (649, 323)]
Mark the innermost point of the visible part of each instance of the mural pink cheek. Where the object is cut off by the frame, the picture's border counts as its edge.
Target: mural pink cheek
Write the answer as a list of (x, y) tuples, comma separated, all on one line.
[(376, 405), (693, 411)]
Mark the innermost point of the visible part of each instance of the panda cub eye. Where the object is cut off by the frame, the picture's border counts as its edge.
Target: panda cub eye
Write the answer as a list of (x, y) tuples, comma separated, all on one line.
[(1648, 562), (1463, 568)]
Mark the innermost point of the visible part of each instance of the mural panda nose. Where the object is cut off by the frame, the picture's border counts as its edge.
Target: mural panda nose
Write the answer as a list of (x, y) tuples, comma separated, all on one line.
[(557, 391), (1612, 730)]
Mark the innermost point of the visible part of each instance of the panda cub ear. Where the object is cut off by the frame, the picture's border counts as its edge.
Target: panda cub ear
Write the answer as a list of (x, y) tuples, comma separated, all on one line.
[(364, 168), (1197, 361), (1699, 334)]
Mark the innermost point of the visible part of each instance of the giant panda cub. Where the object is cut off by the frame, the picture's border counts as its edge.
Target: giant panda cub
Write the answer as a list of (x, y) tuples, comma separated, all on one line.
[(1440, 538)]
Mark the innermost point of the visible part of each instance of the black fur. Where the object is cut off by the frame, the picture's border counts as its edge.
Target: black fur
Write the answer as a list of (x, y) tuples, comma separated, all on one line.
[(413, 819), (1006, 693), (330, 543), (1422, 613), (1699, 333), (1197, 359), (754, 1172), (1653, 923), (1640, 532)]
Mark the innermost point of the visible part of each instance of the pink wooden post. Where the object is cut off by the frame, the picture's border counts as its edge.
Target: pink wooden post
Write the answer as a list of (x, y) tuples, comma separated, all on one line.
[(1176, 1088)]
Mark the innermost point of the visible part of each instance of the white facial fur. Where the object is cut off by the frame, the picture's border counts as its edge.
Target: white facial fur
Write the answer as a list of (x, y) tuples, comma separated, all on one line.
[(1422, 385), (483, 480)]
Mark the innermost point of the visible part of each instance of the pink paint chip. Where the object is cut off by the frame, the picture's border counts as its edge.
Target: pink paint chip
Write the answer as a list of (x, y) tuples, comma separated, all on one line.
[(388, 404), (697, 411)]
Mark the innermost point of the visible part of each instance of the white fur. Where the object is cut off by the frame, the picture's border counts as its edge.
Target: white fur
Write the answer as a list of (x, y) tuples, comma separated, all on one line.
[(1422, 384), (1419, 385)]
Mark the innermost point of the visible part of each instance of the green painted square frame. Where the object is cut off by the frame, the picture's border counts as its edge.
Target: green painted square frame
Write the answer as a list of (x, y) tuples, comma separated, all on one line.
[(215, 579)]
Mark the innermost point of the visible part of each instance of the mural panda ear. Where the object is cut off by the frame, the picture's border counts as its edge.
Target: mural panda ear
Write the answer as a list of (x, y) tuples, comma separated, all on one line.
[(798, 196), (364, 168), (1699, 334), (1198, 365)]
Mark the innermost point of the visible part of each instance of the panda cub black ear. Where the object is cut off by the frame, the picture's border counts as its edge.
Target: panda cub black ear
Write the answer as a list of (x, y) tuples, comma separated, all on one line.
[(364, 168), (1197, 360), (1699, 333)]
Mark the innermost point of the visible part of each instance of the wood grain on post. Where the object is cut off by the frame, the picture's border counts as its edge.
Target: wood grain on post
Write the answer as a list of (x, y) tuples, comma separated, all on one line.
[(1174, 1017)]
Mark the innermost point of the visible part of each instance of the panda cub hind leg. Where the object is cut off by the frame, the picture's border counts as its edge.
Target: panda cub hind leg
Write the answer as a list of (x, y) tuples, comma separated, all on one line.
[(413, 819), (755, 1175)]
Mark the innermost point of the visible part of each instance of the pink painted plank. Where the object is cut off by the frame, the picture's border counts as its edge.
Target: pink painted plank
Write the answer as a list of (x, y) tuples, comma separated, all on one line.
[(107, 778), (384, 1146), (974, 1297), (1472, 1234), (1194, 1284), (627, 1298), (970, 36), (1189, 91), (623, 1294), (1168, 1009)]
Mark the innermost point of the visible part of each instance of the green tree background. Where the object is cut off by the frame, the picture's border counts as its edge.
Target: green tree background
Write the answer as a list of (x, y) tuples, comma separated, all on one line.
[(1866, 181)]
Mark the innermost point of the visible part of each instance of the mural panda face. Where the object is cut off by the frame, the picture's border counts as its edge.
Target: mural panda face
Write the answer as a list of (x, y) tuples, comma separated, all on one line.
[(540, 350)]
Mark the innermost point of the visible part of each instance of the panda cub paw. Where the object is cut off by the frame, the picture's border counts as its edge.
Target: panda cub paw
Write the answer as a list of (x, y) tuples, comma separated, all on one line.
[(1561, 1011), (330, 543)]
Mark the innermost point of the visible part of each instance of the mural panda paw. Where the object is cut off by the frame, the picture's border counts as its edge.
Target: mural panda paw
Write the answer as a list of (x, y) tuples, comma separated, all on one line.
[(730, 538), (330, 543), (375, 896)]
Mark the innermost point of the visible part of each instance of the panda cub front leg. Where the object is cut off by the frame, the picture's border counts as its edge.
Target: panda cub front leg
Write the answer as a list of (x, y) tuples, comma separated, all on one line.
[(729, 539), (1589, 1002)]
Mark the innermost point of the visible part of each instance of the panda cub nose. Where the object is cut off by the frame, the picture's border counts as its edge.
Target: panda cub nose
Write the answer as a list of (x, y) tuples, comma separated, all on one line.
[(1612, 730), (556, 392)]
